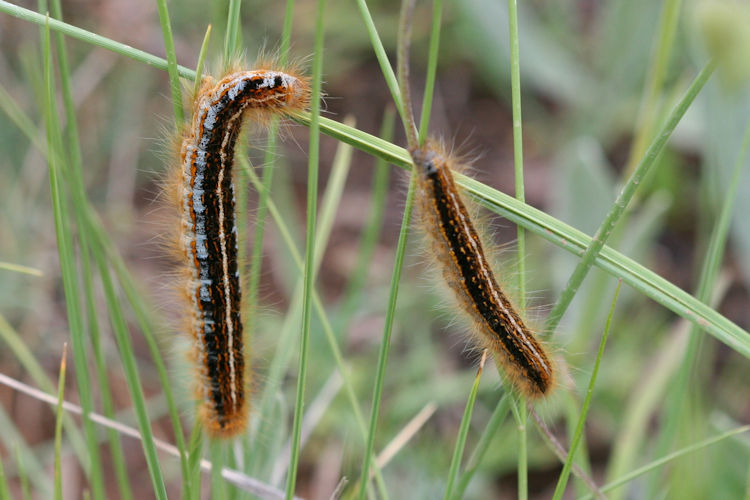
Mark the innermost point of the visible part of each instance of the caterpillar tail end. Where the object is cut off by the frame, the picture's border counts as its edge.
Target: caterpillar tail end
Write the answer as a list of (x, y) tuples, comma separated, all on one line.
[(226, 426)]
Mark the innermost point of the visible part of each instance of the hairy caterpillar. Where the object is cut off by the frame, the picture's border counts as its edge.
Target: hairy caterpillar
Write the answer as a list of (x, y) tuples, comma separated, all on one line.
[(459, 250), (208, 237)]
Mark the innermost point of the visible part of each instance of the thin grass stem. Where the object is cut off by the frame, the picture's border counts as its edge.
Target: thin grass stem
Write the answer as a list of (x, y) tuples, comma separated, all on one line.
[(515, 81), (312, 203), (385, 65), (171, 53), (463, 431), (432, 62), (483, 445), (59, 426), (578, 435), (201, 61)]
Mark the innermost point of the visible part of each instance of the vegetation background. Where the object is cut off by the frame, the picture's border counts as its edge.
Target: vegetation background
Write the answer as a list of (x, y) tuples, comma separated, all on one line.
[(599, 81)]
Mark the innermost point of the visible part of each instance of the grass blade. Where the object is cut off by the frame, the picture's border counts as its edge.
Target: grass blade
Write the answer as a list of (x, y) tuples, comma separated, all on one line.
[(218, 487), (269, 165), (100, 362), (681, 393), (657, 70), (463, 431), (353, 291), (233, 35), (385, 65), (330, 204), (668, 458), (127, 357), (386, 340), (74, 173), (577, 436), (174, 77), (58, 425), (201, 61), (18, 268), (515, 83), (627, 193), (432, 62), (312, 203), (92, 38), (69, 271), (194, 461), (23, 355), (564, 236), (483, 445)]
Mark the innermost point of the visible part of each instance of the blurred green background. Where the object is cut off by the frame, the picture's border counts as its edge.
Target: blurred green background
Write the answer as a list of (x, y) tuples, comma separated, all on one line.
[(597, 79)]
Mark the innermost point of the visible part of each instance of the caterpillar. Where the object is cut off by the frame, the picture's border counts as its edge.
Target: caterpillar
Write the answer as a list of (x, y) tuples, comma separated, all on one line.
[(208, 236), (457, 246)]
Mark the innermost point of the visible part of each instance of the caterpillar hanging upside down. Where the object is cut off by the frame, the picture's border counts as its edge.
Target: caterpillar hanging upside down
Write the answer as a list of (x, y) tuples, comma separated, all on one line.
[(208, 236), (457, 246)]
